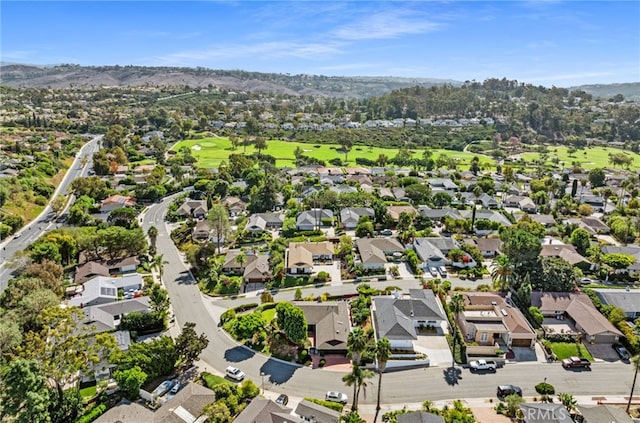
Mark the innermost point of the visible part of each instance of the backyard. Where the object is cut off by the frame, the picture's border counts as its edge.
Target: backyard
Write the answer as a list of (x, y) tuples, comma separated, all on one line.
[(211, 151)]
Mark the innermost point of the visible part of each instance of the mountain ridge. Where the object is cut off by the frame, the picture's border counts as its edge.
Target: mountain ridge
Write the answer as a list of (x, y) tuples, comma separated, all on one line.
[(18, 75)]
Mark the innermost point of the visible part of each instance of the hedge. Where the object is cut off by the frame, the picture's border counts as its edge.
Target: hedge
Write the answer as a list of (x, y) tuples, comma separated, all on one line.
[(329, 404), (92, 414)]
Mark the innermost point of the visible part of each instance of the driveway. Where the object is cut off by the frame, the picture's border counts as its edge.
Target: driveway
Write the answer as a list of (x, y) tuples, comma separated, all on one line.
[(403, 269), (436, 347), (331, 269), (604, 352)]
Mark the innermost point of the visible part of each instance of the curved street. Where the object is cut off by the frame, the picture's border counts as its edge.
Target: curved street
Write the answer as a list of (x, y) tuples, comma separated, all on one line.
[(412, 386)]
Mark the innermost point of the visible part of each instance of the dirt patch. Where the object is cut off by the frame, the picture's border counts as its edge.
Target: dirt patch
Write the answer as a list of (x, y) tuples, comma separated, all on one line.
[(489, 415)]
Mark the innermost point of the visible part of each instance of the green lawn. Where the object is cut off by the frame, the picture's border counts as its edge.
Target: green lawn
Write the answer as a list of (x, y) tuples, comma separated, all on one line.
[(588, 158), (564, 350), (88, 392), (269, 314), (210, 152), (213, 380)]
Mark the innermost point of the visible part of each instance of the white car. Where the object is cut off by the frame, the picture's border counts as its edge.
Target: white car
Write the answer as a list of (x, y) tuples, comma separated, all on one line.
[(335, 396), (235, 374)]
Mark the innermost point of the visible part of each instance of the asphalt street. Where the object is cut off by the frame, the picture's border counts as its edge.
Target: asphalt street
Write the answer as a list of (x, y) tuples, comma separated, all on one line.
[(436, 383), (40, 225)]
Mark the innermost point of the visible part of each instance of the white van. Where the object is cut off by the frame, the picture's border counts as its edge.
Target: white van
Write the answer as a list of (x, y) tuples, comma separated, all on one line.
[(443, 271)]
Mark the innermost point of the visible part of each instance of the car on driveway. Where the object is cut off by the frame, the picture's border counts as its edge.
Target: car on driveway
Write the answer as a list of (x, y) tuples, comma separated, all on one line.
[(506, 390), (433, 271), (622, 352), (386, 232), (235, 374), (163, 388), (282, 399), (335, 396), (172, 393)]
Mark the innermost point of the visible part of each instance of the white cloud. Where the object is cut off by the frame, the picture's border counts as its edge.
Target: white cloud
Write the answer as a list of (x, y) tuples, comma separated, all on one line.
[(17, 54), (386, 24)]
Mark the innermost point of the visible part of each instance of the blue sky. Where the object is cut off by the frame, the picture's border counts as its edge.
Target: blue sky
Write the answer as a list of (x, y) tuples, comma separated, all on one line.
[(540, 42)]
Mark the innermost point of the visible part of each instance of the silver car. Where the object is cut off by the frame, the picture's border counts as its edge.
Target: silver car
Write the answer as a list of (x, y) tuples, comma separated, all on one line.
[(335, 396)]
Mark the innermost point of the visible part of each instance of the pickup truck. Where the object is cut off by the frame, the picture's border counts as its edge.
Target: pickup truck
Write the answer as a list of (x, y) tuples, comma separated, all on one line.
[(483, 365), (575, 362)]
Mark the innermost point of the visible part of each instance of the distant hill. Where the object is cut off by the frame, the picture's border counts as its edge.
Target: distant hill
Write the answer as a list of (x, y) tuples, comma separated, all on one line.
[(65, 76), (630, 91)]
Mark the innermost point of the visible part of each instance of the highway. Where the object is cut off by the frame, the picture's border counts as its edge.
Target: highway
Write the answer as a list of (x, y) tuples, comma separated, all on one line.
[(40, 225), (398, 387)]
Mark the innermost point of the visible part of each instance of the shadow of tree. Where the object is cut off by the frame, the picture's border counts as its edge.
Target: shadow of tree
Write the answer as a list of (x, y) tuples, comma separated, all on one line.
[(277, 371), (452, 375), (238, 353)]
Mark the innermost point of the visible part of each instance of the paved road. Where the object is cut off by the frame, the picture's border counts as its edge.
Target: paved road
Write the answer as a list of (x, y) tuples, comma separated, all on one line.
[(399, 387), (38, 226)]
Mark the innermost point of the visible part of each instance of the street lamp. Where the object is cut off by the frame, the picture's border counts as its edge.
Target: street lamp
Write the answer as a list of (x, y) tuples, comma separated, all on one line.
[(262, 374)]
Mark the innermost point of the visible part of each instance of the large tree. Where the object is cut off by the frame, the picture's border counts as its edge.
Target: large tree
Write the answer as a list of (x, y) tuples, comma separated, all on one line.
[(358, 379), (502, 272), (292, 322), (356, 344), (189, 345), (383, 353), (24, 394), (218, 218), (522, 248)]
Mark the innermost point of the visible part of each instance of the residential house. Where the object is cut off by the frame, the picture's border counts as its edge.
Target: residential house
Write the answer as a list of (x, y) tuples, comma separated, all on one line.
[(442, 184), (187, 406), (301, 256), (592, 225), (196, 209), (202, 231), (310, 220), (266, 411), (310, 412), (328, 325), (485, 199), (419, 417), (256, 272), (104, 289), (107, 317), (386, 193), (399, 194), (578, 309), (545, 413), (567, 253), (234, 205), (395, 211), (260, 222), (601, 414), (488, 319), (527, 205), (546, 220), (375, 252), (438, 214), (434, 252), (89, 270), (513, 200), (349, 216), (595, 201), (627, 300), (398, 318), (489, 247), (116, 201), (484, 214)]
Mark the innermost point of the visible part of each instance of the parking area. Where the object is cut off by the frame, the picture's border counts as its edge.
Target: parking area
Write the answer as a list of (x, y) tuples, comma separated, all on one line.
[(436, 348), (332, 269), (604, 352), (403, 269)]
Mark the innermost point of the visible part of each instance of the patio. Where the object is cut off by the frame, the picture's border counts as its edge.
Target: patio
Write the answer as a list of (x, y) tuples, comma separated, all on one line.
[(555, 326)]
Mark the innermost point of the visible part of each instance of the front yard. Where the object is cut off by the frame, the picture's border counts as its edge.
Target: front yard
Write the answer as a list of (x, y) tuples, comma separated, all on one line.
[(564, 350)]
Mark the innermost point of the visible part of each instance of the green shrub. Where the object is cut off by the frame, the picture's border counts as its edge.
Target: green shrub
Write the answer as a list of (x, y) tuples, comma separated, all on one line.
[(92, 414), (245, 307), (227, 316), (322, 362)]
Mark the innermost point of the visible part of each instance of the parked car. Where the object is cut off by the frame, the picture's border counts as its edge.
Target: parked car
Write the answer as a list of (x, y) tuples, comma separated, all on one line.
[(335, 396), (585, 281), (163, 388), (576, 362), (622, 351), (433, 271), (506, 390), (386, 232), (235, 374), (483, 365), (282, 399), (176, 388), (443, 271)]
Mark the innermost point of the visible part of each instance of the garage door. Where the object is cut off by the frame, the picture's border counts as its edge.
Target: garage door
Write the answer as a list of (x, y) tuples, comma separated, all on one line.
[(521, 343), (605, 339)]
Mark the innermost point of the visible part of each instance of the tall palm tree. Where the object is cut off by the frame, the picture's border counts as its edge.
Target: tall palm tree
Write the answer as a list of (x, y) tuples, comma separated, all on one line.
[(456, 306), (502, 271), (152, 233), (356, 343), (158, 262), (241, 259), (636, 366), (358, 379), (383, 352)]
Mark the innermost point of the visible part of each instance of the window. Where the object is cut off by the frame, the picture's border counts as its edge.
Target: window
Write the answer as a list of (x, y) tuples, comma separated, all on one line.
[(483, 337)]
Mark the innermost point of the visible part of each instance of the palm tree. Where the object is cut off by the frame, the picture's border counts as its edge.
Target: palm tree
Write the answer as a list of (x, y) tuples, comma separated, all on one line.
[(356, 343), (158, 262), (383, 352), (502, 271), (241, 259), (568, 401), (456, 306), (152, 233), (636, 365), (357, 378)]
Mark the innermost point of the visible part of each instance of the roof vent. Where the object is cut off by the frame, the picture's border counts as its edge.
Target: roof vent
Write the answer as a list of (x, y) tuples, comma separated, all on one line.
[(493, 303), (504, 312)]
